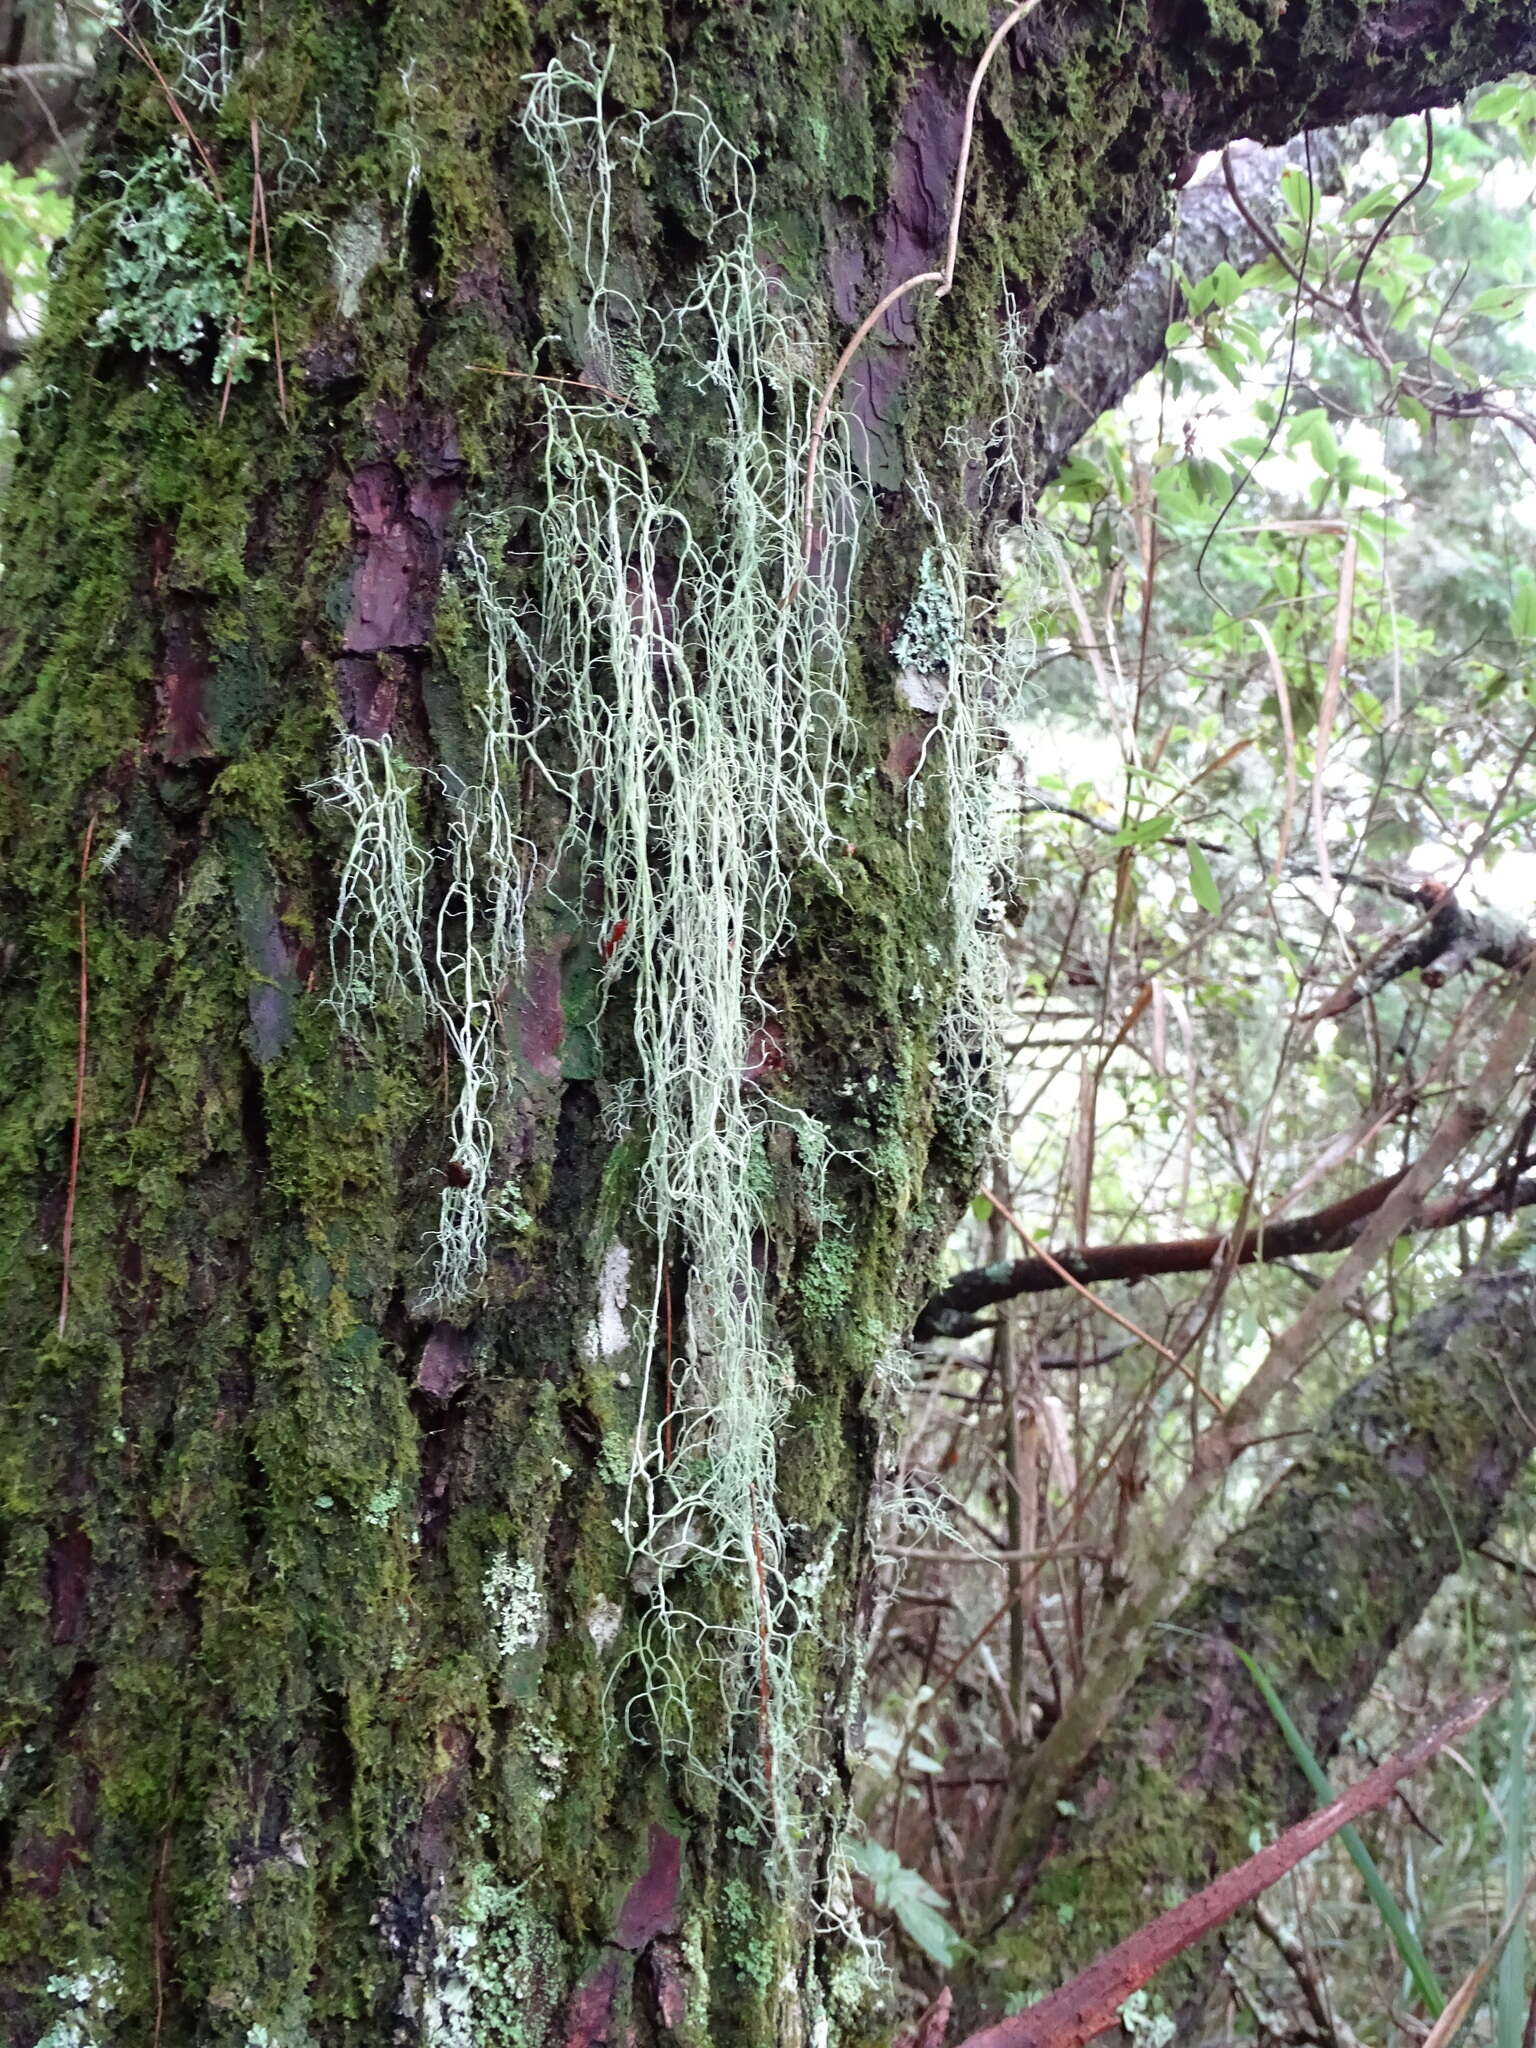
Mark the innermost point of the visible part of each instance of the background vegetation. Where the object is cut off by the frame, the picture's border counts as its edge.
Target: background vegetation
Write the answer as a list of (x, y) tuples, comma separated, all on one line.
[(1221, 824)]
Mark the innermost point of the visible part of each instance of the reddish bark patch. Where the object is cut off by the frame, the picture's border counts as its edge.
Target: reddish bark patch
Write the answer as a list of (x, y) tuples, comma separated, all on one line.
[(183, 693), (587, 2017), (650, 1906), (394, 593), (669, 1982), (400, 512), (901, 758), (933, 2027), (444, 1363), (915, 231), (765, 1050), (368, 691), (923, 164), (541, 1014), (69, 1578)]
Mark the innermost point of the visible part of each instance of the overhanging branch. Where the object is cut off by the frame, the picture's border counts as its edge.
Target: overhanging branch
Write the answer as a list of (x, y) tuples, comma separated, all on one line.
[(953, 1312)]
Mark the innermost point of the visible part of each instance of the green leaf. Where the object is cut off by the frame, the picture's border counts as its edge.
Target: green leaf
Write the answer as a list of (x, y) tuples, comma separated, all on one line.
[(1177, 334), (1226, 285), (1227, 360), (917, 1906), (1501, 301), (1202, 882), (1300, 194), (1411, 409), (1081, 482), (1522, 610), (1147, 833), (1382, 200), (1392, 1916), (1207, 479), (1268, 272), (1499, 103), (1312, 428)]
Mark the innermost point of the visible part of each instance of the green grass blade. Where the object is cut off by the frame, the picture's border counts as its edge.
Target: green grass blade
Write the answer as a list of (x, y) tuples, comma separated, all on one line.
[(1392, 1916), (1509, 2005)]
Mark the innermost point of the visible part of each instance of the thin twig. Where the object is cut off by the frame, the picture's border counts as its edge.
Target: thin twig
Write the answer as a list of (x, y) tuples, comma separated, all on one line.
[(1343, 626), (1038, 1251), (538, 377), (80, 1044), (259, 212), (239, 327), (142, 53), (1288, 731)]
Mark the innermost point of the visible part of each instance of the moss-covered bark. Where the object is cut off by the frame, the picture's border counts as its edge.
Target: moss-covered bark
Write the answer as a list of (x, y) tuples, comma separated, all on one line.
[(1407, 1474), (317, 1621)]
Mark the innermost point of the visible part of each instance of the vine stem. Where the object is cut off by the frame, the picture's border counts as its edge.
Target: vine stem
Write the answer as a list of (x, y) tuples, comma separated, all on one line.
[(944, 278)]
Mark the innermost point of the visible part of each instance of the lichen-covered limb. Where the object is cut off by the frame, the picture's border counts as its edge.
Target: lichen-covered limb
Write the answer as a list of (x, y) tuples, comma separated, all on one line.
[(1109, 349), (1446, 940), (1407, 1472)]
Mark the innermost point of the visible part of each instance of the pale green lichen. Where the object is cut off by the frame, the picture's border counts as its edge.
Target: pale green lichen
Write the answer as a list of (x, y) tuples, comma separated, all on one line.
[(975, 632), (932, 634), (456, 969), (751, 1954), (510, 1590), (607, 1335), (1146, 2021), (90, 1995), (174, 277), (357, 249), (692, 806), (204, 41), (489, 1955), (826, 1277)]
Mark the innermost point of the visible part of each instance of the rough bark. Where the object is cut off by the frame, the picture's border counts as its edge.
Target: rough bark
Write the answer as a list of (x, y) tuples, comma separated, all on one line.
[(318, 1630), (1406, 1475)]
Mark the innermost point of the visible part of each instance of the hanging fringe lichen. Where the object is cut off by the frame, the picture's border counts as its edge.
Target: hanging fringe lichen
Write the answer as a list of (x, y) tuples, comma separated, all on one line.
[(456, 975), (682, 665), (698, 684)]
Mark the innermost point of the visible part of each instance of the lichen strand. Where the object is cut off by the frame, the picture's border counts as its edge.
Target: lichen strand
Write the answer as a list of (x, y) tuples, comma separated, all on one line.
[(1338, 1560)]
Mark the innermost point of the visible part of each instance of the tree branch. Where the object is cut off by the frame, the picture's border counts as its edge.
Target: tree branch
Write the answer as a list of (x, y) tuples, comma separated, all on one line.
[(1107, 353), (953, 1311)]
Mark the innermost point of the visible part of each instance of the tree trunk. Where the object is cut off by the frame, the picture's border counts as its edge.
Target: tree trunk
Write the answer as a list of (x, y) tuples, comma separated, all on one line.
[(492, 1034), (1406, 1476)]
